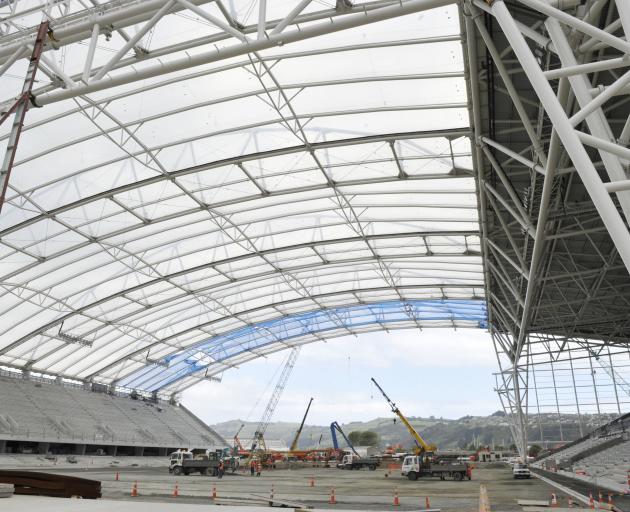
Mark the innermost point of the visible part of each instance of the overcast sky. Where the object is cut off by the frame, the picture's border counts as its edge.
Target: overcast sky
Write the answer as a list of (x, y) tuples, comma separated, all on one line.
[(438, 372)]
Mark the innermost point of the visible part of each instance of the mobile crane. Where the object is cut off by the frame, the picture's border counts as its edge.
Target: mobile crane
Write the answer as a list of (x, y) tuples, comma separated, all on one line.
[(421, 444), (424, 463)]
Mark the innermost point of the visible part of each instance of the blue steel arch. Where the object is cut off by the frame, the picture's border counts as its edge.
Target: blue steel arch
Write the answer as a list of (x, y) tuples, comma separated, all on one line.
[(220, 349)]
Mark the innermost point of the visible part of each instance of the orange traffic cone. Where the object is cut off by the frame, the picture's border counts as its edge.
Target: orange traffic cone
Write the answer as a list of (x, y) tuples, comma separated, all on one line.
[(333, 499), (214, 492), (570, 502), (554, 500), (175, 491), (134, 490), (312, 483), (396, 500), (591, 501), (117, 476), (427, 503)]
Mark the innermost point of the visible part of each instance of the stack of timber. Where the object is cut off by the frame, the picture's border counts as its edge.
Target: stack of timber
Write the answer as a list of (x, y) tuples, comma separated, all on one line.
[(6, 490), (46, 484)]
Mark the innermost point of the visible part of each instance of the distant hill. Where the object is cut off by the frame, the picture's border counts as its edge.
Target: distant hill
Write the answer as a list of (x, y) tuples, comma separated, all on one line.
[(445, 433)]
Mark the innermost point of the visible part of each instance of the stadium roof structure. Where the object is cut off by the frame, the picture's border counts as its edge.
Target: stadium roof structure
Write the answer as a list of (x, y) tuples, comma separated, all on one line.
[(199, 183), (217, 191)]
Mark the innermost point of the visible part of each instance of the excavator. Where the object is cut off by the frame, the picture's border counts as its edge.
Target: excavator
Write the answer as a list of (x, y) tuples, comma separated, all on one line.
[(424, 463)]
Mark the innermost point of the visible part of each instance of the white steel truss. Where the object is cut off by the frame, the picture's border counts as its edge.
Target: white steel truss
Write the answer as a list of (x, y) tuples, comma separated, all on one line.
[(256, 160), (230, 167), (551, 131)]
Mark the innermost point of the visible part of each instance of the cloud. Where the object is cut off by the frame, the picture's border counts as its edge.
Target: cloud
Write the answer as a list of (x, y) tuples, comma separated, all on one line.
[(444, 348), (438, 372)]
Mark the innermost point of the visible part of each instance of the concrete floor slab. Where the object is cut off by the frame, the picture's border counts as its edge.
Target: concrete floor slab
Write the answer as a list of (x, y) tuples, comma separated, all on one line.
[(354, 490)]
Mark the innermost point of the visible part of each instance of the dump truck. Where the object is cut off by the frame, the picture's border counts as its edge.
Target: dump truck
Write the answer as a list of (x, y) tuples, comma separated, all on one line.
[(185, 462), (351, 461), (422, 466)]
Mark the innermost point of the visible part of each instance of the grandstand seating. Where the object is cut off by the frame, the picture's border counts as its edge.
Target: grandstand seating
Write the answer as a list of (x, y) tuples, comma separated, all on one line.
[(564, 457), (612, 463), (602, 456), (53, 413)]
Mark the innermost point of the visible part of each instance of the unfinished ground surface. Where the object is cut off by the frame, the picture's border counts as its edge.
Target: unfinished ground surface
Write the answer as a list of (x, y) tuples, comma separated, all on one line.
[(357, 490)]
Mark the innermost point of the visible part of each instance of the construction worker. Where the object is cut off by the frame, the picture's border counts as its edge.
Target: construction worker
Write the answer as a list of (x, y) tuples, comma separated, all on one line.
[(258, 467), (252, 467), (221, 469)]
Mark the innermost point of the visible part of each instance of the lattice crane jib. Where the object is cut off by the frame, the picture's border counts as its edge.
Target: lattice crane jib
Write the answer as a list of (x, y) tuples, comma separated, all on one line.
[(274, 399)]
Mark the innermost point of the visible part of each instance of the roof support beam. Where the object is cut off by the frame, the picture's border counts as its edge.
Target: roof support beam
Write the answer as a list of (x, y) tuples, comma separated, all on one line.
[(333, 25)]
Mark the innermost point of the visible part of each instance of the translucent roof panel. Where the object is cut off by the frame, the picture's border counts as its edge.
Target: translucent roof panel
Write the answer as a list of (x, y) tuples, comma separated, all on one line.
[(197, 171)]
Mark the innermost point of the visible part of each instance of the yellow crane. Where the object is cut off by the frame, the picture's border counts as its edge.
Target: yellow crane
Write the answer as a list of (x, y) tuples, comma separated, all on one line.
[(421, 444)]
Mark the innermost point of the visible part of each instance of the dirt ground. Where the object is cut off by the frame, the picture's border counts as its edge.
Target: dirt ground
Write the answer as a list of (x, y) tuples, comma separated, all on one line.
[(358, 490)]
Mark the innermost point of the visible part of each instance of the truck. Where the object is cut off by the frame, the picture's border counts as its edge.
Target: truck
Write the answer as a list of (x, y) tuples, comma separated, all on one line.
[(185, 462), (351, 461), (422, 466), (520, 470), (424, 463)]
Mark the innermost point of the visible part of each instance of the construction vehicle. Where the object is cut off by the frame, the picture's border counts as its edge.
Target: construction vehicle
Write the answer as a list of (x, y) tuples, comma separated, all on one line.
[(294, 444), (421, 444), (350, 460), (334, 428), (185, 462), (418, 466), (424, 463), (258, 448), (259, 440), (238, 446)]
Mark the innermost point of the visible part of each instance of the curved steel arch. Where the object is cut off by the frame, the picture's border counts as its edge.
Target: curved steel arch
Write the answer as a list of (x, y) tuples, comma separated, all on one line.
[(136, 248), (210, 356)]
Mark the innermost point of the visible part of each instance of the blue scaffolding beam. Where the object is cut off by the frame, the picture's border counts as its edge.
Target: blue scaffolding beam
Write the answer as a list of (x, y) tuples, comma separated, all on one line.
[(222, 348)]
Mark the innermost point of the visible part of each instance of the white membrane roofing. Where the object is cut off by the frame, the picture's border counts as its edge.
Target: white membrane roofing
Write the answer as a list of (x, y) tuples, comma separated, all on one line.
[(146, 218)]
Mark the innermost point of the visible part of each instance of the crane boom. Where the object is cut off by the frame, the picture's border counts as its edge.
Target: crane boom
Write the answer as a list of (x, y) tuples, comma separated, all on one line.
[(334, 427), (275, 397), (299, 430), (421, 443), (237, 442)]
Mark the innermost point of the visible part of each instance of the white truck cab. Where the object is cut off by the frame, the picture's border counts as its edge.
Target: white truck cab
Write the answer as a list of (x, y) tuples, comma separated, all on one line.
[(177, 460), (347, 459), (410, 463)]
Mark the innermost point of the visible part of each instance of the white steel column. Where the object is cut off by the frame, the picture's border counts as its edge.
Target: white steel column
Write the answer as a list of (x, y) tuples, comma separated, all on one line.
[(582, 162)]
